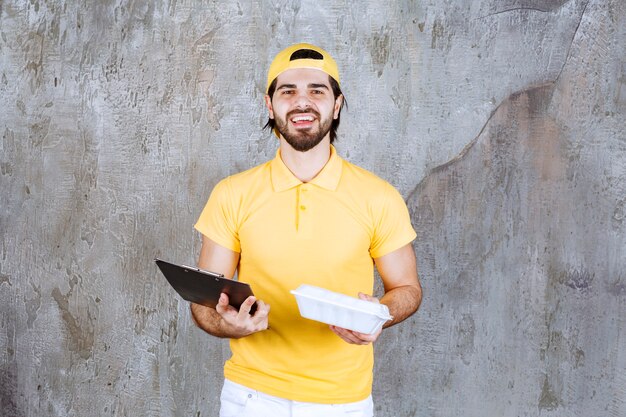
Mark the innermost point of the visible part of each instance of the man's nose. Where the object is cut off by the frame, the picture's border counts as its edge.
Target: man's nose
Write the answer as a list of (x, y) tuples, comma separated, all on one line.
[(302, 100)]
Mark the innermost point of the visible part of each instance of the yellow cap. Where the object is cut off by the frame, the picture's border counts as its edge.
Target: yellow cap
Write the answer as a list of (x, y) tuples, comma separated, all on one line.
[(302, 55)]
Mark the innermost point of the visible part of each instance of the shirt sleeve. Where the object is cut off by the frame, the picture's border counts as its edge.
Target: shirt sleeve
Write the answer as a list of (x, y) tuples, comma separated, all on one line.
[(218, 220), (392, 224)]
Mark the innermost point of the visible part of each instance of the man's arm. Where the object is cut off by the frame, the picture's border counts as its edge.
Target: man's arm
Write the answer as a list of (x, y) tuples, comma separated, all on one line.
[(403, 292), (225, 321)]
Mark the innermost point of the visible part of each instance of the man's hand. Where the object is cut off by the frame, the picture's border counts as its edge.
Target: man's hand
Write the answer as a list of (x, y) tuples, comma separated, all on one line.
[(225, 321), (241, 323), (357, 338)]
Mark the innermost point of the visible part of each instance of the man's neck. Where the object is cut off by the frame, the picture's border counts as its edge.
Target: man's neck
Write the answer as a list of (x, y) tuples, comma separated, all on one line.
[(305, 165)]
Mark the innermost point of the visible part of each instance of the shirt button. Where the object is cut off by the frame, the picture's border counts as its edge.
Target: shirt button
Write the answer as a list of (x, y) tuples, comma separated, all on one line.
[(302, 207)]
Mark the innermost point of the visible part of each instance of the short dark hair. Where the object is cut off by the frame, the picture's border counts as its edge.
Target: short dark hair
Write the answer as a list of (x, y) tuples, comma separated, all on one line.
[(334, 85)]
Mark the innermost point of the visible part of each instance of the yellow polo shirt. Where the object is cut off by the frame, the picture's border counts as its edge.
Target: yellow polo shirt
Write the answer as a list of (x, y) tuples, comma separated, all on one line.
[(326, 233)]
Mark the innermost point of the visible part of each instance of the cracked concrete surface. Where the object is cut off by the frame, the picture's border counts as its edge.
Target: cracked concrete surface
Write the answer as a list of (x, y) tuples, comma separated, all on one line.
[(502, 122)]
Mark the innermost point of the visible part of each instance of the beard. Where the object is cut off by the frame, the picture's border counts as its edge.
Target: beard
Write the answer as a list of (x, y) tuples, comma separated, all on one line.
[(304, 140)]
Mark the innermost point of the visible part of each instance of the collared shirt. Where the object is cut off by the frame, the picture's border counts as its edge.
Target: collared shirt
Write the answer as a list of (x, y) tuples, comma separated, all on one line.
[(325, 232)]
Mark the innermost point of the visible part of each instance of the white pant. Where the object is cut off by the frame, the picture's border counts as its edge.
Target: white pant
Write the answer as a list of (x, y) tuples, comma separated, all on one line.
[(240, 401)]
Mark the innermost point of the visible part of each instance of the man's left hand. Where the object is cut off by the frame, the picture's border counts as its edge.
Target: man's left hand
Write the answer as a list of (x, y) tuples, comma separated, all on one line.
[(357, 338)]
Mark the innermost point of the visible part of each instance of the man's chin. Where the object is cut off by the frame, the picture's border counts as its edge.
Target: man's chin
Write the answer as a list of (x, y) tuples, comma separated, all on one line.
[(302, 144)]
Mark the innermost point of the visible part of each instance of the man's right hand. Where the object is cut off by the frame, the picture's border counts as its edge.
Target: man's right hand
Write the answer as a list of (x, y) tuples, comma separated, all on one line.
[(224, 320), (241, 323)]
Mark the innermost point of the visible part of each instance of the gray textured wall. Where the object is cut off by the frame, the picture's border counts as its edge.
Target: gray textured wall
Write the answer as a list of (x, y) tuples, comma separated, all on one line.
[(501, 121)]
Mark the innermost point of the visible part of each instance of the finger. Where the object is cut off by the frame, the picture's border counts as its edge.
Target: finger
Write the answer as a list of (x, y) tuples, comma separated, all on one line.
[(349, 336), (261, 312), (358, 341), (244, 310), (223, 299), (260, 317), (368, 297), (262, 309), (367, 338), (339, 334), (360, 338), (222, 304)]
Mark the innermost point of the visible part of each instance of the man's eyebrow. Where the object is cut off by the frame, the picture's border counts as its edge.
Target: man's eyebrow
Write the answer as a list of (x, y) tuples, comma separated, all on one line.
[(314, 85), (286, 86), (311, 85)]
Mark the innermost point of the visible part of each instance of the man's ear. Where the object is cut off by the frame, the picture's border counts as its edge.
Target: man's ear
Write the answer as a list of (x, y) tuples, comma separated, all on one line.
[(338, 102), (268, 104)]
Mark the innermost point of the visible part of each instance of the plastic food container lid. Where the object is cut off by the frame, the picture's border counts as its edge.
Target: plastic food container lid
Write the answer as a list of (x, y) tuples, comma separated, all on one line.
[(340, 310)]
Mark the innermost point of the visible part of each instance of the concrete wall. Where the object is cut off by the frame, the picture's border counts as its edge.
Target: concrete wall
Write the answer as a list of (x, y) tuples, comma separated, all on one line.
[(501, 122)]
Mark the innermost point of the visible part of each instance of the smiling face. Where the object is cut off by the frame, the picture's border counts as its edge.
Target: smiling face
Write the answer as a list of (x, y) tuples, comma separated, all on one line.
[(303, 106)]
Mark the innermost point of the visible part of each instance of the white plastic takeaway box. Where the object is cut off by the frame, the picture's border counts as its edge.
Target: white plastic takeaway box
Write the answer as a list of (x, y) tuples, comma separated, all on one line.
[(340, 310)]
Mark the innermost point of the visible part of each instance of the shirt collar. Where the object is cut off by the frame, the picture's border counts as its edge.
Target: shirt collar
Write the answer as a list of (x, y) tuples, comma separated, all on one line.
[(328, 178)]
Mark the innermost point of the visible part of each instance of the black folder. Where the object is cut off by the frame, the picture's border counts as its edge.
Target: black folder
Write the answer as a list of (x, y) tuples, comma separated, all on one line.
[(204, 287)]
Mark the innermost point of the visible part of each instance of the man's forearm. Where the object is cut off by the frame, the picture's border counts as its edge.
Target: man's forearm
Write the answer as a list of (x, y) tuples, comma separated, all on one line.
[(209, 320), (402, 302), (223, 321), (226, 321)]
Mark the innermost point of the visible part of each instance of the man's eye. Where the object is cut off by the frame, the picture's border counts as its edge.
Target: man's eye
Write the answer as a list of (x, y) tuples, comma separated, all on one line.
[(287, 92), (317, 92)]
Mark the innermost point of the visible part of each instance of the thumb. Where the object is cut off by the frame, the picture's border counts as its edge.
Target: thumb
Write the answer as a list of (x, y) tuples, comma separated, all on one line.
[(223, 299), (222, 303), (368, 297)]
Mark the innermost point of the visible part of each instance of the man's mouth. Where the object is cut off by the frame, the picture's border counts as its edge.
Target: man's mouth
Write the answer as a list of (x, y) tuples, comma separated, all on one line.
[(302, 120)]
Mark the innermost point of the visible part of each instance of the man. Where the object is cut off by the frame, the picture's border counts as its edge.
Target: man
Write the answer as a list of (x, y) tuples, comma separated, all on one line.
[(307, 216)]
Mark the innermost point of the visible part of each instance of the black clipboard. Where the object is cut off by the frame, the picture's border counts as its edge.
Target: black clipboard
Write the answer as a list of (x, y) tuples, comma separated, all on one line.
[(204, 287)]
